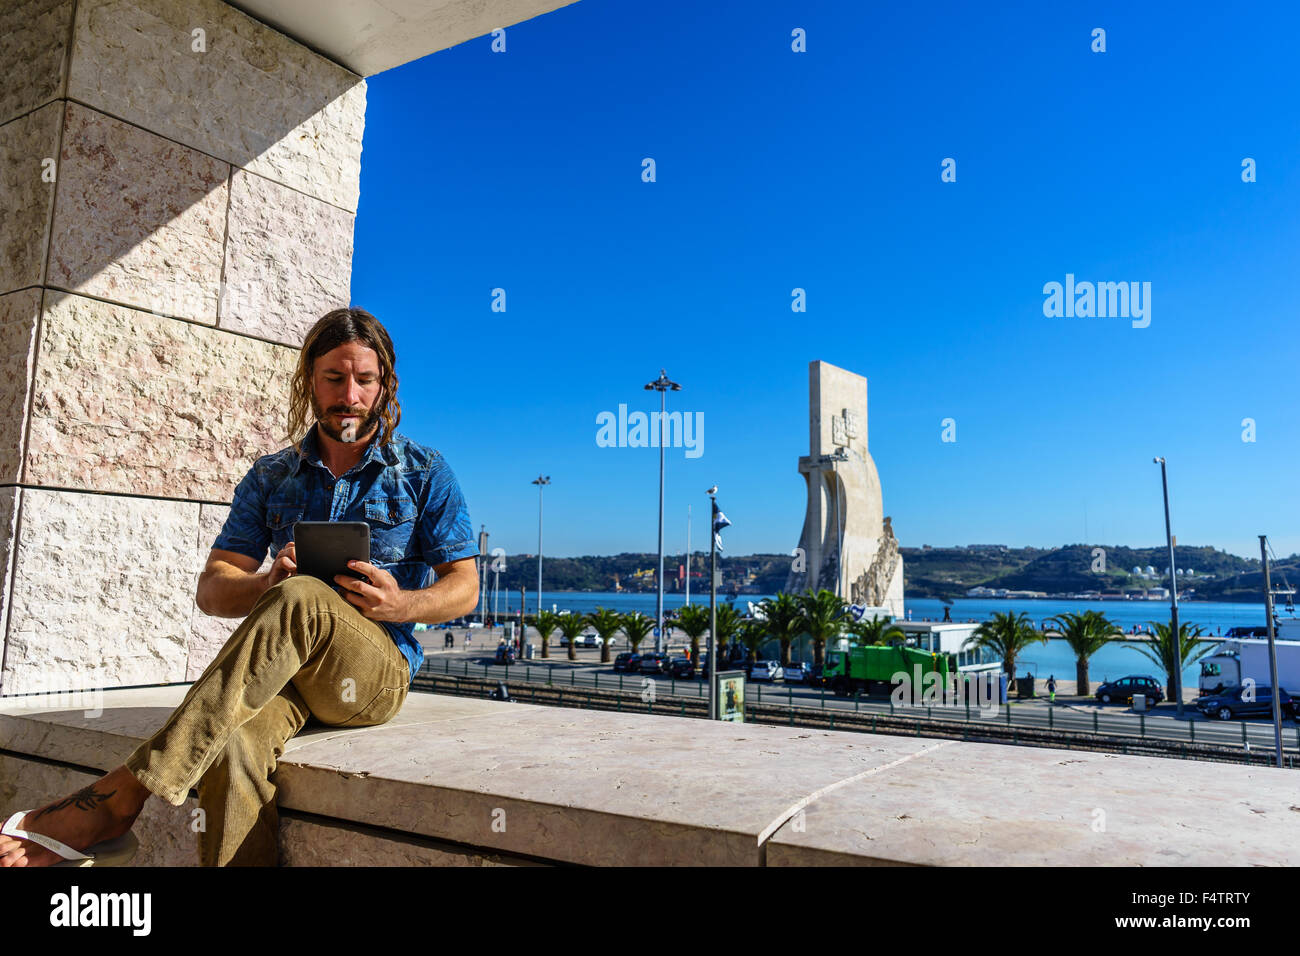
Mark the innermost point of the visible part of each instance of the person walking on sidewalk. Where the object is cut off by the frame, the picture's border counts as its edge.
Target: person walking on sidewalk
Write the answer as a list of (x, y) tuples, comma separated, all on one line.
[(341, 652), (1051, 688)]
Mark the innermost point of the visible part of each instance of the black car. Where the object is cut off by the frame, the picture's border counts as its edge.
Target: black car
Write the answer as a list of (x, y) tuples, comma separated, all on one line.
[(656, 662), (1238, 701), (1124, 689), (815, 678), (682, 668), (633, 663), (620, 662)]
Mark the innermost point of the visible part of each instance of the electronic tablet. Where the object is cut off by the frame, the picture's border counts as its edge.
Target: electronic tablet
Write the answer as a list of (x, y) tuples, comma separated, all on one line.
[(324, 548)]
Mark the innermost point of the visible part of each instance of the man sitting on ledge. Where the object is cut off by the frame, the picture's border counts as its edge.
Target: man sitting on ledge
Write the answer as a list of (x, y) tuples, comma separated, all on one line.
[(345, 655)]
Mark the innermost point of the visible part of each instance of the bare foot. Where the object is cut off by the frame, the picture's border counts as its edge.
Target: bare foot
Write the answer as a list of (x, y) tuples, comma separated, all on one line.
[(101, 811)]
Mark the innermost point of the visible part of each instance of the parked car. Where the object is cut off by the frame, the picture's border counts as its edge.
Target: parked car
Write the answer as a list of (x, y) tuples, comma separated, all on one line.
[(505, 654), (1237, 702), (797, 672), (770, 671), (815, 678), (682, 668), (582, 640), (620, 662), (1124, 689), (656, 662)]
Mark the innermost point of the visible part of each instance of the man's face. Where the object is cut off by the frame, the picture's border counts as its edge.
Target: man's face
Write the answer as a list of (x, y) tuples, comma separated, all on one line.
[(345, 391)]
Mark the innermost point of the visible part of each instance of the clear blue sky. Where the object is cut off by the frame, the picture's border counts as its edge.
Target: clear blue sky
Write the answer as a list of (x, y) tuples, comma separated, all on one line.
[(821, 170)]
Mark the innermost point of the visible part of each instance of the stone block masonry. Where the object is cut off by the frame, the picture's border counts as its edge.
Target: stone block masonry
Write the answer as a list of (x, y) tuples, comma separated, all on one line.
[(181, 183)]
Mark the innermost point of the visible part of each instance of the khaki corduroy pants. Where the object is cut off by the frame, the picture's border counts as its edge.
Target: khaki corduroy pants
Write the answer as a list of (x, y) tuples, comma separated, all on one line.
[(302, 652)]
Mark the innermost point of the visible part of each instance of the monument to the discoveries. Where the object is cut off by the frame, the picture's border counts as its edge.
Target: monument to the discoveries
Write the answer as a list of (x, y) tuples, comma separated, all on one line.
[(847, 545)]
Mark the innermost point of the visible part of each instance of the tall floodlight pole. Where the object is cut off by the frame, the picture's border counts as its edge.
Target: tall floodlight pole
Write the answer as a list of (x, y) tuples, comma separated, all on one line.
[(661, 385), (496, 595), (713, 604), (1272, 651), (1173, 595), (483, 554), (688, 555), (540, 481)]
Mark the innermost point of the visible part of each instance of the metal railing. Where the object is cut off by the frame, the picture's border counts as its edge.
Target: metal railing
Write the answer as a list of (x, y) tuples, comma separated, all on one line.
[(1053, 718)]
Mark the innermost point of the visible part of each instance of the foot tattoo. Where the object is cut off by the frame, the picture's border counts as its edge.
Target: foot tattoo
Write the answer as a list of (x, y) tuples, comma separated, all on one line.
[(84, 799)]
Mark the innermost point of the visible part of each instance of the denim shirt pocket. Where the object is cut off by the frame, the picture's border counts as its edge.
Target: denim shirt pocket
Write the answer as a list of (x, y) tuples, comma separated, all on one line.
[(392, 528), (281, 515)]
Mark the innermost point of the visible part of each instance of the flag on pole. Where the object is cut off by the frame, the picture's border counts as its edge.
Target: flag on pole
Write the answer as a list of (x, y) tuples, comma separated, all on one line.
[(719, 522)]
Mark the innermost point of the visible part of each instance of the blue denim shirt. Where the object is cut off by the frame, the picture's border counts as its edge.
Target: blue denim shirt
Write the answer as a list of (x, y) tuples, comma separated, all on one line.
[(406, 492)]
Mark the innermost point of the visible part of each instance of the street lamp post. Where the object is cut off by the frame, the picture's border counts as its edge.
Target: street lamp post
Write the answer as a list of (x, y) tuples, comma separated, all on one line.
[(483, 553), (661, 385), (1272, 651), (688, 554), (713, 604), (1173, 595), (540, 481)]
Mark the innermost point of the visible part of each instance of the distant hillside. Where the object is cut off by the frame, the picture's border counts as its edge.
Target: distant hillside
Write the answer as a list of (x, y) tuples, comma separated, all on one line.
[(950, 572), (752, 573), (944, 573)]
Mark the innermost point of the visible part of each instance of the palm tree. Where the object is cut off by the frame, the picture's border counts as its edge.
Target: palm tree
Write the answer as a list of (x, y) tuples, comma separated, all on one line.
[(784, 621), (1160, 648), (729, 622), (636, 626), (693, 619), (606, 624), (1086, 633), (753, 634), (547, 622), (823, 619), (879, 630), (571, 625), (1006, 635)]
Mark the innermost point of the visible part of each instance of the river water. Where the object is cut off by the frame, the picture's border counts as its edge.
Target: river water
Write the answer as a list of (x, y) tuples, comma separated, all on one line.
[(1116, 660)]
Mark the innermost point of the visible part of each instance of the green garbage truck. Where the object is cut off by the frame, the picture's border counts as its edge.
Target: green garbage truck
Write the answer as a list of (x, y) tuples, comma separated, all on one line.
[(871, 668)]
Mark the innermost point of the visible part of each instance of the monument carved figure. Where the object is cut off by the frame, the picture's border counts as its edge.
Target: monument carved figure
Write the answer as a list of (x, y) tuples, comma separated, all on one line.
[(871, 588)]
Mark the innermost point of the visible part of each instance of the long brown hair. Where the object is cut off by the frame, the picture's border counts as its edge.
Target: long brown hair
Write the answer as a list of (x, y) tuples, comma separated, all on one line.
[(332, 330)]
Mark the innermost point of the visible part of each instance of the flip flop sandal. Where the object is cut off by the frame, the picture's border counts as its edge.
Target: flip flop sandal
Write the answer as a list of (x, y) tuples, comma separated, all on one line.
[(115, 852)]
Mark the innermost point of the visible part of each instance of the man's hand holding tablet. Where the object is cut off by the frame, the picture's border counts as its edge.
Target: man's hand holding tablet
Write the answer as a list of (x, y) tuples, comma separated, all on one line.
[(380, 600), (338, 553), (285, 564)]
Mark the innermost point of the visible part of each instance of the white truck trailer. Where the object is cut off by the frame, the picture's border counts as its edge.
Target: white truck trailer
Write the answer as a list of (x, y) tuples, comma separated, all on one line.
[(1235, 661)]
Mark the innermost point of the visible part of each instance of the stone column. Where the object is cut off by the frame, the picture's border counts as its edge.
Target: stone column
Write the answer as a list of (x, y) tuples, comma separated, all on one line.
[(178, 185)]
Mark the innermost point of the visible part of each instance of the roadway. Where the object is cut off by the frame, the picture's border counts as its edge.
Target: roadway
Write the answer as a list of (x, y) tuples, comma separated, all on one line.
[(1075, 714)]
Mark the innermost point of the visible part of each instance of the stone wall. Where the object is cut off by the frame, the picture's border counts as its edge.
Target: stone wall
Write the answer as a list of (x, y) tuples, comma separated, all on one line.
[(180, 186)]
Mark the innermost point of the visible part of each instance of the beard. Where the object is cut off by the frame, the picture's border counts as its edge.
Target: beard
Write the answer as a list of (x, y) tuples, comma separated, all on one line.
[(349, 434)]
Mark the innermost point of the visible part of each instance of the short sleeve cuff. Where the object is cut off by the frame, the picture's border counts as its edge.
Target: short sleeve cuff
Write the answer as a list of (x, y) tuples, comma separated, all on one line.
[(453, 551), (240, 546)]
